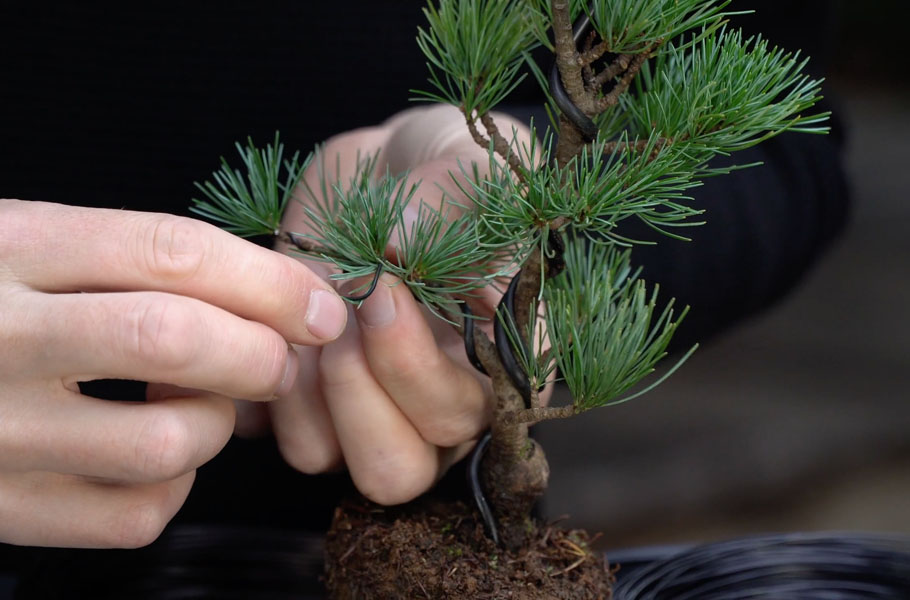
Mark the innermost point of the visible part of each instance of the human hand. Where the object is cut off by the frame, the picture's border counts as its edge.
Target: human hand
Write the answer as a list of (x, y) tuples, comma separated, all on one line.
[(394, 399), (88, 294)]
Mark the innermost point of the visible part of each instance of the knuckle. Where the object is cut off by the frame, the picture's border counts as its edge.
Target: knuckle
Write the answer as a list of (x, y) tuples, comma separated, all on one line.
[(261, 365), (449, 432), (18, 226), (274, 361), (288, 287), (394, 480), (158, 332), (310, 459), (163, 448), (21, 341), (345, 143), (138, 525), (339, 372), (407, 369), (173, 248), (8, 234)]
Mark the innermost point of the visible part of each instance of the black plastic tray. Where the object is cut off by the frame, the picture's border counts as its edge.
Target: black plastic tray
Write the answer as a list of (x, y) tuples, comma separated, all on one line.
[(235, 562)]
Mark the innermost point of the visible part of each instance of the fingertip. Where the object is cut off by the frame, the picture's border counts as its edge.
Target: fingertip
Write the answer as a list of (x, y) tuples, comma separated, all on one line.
[(380, 308), (311, 458), (326, 315), (391, 479)]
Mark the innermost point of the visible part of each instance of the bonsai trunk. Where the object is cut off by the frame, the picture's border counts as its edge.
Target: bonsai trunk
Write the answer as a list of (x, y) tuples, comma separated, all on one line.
[(514, 475), (515, 470)]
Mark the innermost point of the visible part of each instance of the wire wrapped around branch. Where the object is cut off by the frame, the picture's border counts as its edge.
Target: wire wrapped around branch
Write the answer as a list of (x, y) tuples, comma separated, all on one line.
[(480, 498), (371, 289), (511, 364), (467, 330), (579, 119)]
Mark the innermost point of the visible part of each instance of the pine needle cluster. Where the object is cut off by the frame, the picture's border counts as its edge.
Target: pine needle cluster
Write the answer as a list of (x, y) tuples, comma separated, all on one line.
[(251, 203)]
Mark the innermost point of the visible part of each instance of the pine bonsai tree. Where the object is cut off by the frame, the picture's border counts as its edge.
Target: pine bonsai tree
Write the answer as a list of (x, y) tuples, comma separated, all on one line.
[(642, 96)]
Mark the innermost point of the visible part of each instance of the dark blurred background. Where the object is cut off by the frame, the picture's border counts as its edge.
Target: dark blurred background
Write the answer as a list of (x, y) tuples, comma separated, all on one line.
[(798, 418), (794, 419)]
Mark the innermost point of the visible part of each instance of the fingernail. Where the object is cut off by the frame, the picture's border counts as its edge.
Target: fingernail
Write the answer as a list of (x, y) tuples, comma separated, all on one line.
[(290, 373), (379, 308), (326, 315)]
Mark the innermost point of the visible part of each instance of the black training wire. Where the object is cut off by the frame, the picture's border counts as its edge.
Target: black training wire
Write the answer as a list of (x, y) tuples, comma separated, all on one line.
[(301, 245), (791, 566), (467, 331), (504, 343), (583, 122), (555, 256), (474, 482), (372, 288)]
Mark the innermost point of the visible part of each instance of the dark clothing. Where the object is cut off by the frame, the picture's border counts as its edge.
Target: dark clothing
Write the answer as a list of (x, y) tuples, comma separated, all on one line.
[(126, 106), (119, 107)]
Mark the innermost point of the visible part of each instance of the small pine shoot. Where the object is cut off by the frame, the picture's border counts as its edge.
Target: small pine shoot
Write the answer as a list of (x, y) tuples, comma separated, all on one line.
[(251, 203)]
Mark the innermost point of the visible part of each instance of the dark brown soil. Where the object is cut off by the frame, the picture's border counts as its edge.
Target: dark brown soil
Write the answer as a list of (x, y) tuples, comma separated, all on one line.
[(440, 551)]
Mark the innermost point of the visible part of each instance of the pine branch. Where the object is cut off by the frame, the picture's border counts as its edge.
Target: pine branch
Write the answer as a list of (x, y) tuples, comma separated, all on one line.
[(612, 98), (567, 59), (725, 93), (475, 50), (587, 70), (479, 138), (592, 52), (532, 416), (570, 142), (439, 254), (628, 25), (619, 65), (502, 146)]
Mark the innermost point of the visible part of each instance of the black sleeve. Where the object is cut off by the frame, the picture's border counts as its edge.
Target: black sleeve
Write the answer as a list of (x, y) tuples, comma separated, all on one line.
[(765, 227)]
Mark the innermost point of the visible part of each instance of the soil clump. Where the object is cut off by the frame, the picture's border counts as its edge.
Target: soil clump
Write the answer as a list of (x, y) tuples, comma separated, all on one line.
[(429, 550)]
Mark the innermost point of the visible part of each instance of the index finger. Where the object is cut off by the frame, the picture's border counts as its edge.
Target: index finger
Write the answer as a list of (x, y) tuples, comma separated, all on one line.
[(69, 249)]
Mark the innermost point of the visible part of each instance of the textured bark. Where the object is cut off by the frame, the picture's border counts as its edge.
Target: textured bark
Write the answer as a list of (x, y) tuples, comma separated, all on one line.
[(515, 476), (570, 143), (515, 471), (567, 57)]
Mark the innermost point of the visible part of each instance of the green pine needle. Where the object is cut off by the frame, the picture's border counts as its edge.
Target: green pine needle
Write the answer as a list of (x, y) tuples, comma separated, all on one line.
[(253, 202), (475, 50), (724, 94), (440, 254), (537, 363), (604, 185), (602, 324), (630, 26)]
